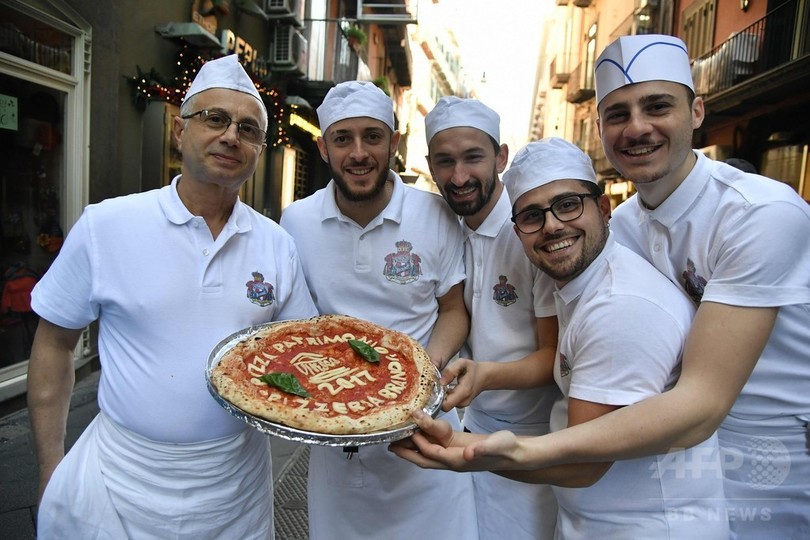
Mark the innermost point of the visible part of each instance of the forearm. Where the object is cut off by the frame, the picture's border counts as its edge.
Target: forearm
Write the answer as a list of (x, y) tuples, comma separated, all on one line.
[(50, 385), (450, 330), (530, 371)]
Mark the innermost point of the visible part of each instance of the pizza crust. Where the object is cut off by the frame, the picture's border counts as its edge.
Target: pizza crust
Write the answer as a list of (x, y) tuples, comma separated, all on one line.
[(349, 394)]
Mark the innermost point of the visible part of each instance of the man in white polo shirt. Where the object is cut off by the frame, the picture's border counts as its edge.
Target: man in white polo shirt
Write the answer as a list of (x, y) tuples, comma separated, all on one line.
[(513, 325), (168, 274), (374, 248), (739, 245), (622, 330)]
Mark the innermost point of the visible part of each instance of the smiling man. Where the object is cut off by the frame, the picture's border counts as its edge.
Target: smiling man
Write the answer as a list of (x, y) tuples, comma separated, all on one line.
[(379, 250), (164, 274), (505, 383), (622, 332)]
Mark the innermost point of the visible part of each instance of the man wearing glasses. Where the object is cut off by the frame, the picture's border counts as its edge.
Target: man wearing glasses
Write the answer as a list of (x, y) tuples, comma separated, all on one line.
[(622, 330), (165, 274)]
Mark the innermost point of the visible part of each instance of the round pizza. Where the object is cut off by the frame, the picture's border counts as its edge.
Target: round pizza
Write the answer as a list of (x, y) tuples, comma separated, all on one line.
[(331, 374)]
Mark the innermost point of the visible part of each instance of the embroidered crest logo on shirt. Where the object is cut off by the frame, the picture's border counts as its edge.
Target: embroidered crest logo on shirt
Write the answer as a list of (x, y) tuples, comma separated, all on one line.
[(565, 369), (693, 283), (259, 291), (402, 266), (503, 293)]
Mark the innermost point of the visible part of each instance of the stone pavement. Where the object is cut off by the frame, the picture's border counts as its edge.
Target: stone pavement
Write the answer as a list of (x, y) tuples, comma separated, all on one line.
[(18, 470)]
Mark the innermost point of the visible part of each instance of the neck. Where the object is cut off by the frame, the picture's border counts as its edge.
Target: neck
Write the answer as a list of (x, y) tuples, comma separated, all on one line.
[(211, 202), (362, 212), (653, 194), (475, 220)]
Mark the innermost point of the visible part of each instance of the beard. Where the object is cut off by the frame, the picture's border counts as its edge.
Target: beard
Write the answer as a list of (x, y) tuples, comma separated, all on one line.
[(359, 196), (568, 270), (469, 208)]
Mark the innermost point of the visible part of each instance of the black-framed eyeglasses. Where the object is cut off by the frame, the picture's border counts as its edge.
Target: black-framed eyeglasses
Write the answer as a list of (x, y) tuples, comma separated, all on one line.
[(568, 208), (219, 121)]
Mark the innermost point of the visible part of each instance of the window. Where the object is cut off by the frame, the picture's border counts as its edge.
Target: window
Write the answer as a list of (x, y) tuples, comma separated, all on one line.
[(698, 27)]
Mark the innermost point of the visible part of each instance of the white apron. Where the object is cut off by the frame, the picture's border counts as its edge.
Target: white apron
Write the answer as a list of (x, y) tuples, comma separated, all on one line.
[(115, 484), (508, 508), (377, 495), (766, 465)]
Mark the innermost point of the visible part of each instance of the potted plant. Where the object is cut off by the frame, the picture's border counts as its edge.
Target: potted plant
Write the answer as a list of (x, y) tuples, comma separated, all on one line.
[(381, 82), (356, 36)]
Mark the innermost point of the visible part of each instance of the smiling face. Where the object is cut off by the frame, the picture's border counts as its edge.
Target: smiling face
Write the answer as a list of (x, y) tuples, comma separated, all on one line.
[(563, 250), (358, 151), (646, 131), (219, 157), (465, 164)]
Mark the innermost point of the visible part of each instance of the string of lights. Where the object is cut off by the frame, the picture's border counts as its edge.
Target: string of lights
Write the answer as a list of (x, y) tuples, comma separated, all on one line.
[(151, 86)]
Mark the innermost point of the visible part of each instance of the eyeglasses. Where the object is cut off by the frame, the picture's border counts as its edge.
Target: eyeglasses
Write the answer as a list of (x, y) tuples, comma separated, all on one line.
[(568, 208), (217, 121)]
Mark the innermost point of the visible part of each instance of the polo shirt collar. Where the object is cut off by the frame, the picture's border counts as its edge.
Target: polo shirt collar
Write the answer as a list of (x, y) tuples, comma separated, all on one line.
[(177, 213), (392, 211), (574, 288), (684, 196), (500, 215)]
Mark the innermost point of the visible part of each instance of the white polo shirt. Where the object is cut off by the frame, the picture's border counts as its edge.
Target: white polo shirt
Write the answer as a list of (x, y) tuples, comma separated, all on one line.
[(623, 326), (747, 239), (505, 293), (744, 240), (165, 293), (389, 272)]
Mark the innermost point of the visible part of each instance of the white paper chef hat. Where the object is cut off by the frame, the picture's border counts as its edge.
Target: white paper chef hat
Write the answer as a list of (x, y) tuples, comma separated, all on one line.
[(635, 59), (452, 111), (224, 72), (353, 99), (544, 161)]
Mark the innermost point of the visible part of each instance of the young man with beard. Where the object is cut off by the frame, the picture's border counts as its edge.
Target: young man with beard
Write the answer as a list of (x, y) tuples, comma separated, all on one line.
[(622, 330), (164, 273), (507, 297), (747, 237), (376, 249)]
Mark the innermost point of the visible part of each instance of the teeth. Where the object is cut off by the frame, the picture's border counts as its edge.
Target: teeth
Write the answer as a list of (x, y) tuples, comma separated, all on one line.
[(640, 151), (463, 192), (559, 245), (360, 172)]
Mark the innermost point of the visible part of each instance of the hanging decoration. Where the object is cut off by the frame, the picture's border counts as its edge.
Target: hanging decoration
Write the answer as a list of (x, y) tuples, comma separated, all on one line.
[(151, 86)]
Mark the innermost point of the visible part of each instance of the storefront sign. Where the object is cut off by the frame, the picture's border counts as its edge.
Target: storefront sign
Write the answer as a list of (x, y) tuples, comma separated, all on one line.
[(231, 43), (8, 112)]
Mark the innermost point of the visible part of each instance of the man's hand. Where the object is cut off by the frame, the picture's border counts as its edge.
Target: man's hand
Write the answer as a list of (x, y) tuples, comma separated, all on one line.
[(469, 379), (437, 446)]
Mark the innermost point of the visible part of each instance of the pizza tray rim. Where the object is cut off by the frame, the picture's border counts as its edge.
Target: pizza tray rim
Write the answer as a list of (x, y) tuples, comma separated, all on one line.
[(395, 433)]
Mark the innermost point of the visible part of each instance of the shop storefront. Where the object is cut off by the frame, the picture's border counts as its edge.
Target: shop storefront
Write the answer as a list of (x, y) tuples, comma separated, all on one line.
[(44, 139)]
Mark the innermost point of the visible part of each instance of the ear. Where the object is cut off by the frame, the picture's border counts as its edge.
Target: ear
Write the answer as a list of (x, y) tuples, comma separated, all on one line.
[(395, 136), (178, 125), (322, 149), (598, 126), (605, 207), (698, 112), (502, 158), (517, 231)]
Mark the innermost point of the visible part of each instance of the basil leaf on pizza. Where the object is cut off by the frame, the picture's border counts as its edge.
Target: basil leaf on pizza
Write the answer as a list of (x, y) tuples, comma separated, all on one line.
[(365, 350), (286, 382), (349, 393)]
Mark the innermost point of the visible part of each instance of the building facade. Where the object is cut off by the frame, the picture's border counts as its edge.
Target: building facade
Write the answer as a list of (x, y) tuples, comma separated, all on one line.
[(750, 63), (88, 91)]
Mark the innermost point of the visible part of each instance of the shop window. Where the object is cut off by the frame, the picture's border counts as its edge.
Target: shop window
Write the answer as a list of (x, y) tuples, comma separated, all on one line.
[(31, 234)]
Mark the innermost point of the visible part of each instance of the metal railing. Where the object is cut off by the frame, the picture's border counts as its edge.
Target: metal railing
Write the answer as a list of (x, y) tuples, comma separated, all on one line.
[(773, 41)]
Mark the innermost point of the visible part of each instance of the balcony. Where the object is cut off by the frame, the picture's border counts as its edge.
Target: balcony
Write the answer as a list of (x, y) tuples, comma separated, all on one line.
[(767, 61), (580, 88), (558, 71), (388, 12)]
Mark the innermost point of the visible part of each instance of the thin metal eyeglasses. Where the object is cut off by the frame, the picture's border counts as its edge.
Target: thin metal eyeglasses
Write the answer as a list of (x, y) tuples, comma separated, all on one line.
[(568, 208), (218, 121)]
